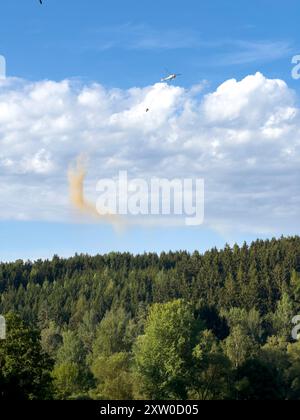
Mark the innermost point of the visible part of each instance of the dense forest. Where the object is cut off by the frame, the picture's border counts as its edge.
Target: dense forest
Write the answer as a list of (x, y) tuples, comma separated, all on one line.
[(170, 326)]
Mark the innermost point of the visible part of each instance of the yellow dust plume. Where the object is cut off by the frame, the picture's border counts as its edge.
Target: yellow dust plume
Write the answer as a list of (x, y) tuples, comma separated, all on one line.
[(76, 177)]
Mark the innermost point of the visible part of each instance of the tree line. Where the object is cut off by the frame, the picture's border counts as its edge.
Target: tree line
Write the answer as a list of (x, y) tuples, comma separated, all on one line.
[(210, 326)]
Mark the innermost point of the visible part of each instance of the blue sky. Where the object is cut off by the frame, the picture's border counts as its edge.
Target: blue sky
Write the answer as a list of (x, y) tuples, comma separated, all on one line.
[(125, 44)]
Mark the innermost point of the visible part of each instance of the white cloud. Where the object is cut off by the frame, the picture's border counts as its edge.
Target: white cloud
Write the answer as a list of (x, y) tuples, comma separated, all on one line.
[(131, 36), (243, 139), (260, 51), (142, 37), (255, 100)]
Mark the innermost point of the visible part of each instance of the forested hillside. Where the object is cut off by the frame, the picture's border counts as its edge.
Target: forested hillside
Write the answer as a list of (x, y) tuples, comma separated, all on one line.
[(174, 326)]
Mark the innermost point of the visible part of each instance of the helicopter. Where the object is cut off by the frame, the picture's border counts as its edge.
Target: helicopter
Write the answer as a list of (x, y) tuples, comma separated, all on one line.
[(170, 77)]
